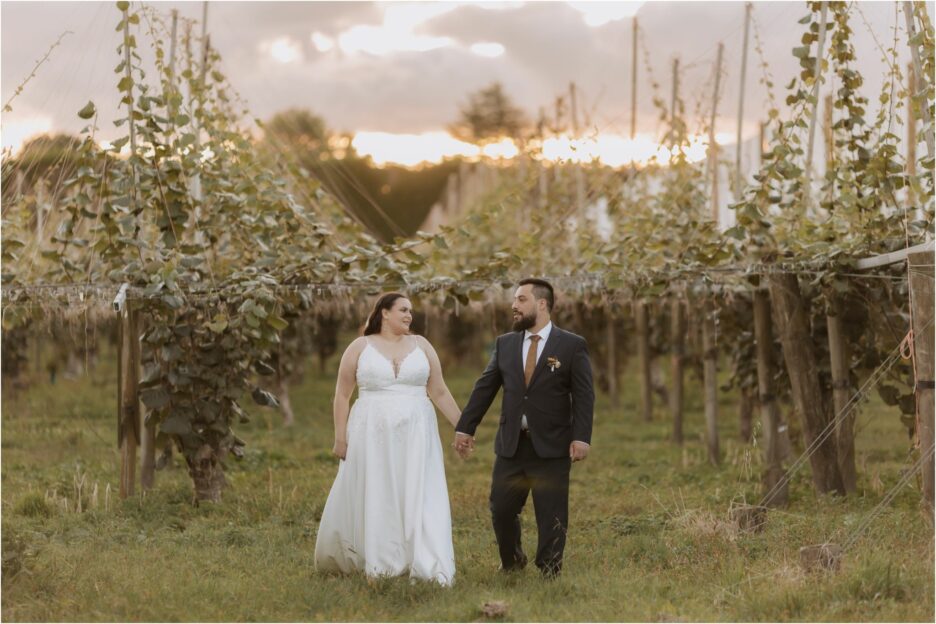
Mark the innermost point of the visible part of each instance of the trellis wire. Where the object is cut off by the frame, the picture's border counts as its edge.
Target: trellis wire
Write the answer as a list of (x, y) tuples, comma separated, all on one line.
[(853, 402)]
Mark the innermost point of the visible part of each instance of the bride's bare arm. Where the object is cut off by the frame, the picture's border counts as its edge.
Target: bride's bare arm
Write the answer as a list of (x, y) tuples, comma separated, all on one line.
[(438, 391), (347, 378)]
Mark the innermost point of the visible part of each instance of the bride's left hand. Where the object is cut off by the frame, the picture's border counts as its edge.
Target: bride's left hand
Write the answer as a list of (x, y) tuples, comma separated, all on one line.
[(340, 450)]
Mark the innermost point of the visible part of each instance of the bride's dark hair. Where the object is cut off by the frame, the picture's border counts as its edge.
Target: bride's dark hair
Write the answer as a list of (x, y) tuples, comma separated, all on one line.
[(375, 320)]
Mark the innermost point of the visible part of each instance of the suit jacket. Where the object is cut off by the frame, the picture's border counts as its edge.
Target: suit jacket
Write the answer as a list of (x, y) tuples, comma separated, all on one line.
[(559, 402)]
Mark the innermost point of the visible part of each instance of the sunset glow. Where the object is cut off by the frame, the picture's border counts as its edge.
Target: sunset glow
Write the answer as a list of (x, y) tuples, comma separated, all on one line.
[(14, 132), (612, 150), (284, 50)]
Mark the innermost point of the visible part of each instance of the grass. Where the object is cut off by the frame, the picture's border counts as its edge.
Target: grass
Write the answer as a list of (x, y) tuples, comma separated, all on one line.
[(648, 541)]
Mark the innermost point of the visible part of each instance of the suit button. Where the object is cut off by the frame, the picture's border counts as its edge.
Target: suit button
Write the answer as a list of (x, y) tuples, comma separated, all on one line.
[(525, 397)]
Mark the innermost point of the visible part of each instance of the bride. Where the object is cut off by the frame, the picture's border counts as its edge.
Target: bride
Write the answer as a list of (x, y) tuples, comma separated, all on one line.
[(388, 510)]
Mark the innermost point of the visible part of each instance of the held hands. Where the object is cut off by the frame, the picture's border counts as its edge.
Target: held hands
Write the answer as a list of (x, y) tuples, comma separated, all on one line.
[(463, 445), (340, 450), (578, 451)]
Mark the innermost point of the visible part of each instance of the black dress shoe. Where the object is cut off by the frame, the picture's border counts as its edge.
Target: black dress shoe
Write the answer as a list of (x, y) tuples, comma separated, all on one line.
[(551, 572), (518, 565)]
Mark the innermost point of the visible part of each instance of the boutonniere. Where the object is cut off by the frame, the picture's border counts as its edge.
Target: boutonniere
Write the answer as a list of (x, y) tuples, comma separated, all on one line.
[(553, 363)]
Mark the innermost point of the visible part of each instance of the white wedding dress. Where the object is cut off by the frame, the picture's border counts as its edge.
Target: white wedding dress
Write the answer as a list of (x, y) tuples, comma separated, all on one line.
[(388, 511)]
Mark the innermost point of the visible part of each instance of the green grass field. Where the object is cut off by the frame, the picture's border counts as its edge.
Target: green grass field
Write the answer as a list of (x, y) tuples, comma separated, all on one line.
[(648, 536)]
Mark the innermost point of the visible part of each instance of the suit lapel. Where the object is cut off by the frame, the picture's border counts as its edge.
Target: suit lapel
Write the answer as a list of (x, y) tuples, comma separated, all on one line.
[(517, 355), (549, 349)]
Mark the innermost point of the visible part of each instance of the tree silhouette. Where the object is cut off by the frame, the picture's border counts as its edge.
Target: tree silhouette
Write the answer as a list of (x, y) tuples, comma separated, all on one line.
[(489, 114)]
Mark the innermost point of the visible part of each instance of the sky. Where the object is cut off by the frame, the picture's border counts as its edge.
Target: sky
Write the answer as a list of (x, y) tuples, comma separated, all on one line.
[(395, 73)]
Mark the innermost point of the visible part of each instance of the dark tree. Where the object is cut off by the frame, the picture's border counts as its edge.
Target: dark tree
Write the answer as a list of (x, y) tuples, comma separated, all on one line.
[(489, 114)]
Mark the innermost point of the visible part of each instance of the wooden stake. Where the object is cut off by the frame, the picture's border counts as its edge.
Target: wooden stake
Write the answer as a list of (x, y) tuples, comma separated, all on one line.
[(713, 146), (543, 194), (147, 453), (677, 357), (815, 103), (790, 313), (643, 354), (633, 119), (612, 362), (828, 133), (769, 411), (911, 134), (710, 380), (918, 75), (739, 183), (921, 292), (841, 392), (762, 145), (128, 423), (130, 122), (579, 174), (172, 58), (745, 415), (675, 91)]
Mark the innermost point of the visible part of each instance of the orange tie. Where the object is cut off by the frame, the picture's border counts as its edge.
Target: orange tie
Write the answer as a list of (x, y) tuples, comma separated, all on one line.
[(531, 359)]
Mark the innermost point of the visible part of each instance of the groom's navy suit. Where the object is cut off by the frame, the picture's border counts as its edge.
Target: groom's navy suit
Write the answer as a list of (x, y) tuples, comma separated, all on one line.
[(558, 404)]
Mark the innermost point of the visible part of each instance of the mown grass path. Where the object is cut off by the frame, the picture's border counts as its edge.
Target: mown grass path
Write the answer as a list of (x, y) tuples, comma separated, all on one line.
[(648, 538)]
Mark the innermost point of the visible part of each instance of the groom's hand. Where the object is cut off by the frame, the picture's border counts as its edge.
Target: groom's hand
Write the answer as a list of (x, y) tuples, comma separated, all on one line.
[(578, 451), (464, 444)]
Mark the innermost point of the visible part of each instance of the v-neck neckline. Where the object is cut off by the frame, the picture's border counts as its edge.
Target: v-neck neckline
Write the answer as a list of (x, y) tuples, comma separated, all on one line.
[(396, 368)]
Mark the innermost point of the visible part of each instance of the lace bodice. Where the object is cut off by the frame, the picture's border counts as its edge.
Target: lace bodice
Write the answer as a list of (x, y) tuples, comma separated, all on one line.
[(375, 371)]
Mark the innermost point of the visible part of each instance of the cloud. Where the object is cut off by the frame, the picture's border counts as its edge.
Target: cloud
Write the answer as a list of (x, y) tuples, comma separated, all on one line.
[(417, 88)]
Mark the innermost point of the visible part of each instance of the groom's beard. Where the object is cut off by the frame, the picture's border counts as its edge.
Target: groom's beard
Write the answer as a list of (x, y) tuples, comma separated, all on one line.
[(524, 322)]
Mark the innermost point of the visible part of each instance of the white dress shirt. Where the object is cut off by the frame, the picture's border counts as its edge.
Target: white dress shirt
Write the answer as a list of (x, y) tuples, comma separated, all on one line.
[(544, 336)]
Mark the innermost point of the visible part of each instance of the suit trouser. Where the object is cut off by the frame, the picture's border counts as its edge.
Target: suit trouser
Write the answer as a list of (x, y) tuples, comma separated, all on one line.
[(512, 480)]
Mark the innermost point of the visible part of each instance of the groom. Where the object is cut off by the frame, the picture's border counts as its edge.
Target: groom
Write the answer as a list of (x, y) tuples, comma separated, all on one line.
[(545, 425)]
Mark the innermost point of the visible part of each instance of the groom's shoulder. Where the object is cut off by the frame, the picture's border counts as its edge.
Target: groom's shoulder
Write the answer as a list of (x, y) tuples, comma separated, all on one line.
[(507, 336), (572, 336)]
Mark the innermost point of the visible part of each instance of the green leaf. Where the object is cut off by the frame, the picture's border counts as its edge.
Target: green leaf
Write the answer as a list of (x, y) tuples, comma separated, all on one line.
[(155, 398), (176, 424), (264, 369), (262, 397), (218, 324), (277, 323), (801, 52), (88, 111)]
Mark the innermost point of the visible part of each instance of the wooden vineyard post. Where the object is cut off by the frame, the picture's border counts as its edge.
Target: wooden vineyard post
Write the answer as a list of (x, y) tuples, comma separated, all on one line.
[(776, 495), (745, 415), (919, 77), (128, 396), (612, 362), (921, 292), (633, 111), (790, 314), (678, 346), (713, 146), (710, 381), (738, 178), (147, 452), (815, 102), (911, 134), (643, 355), (841, 391)]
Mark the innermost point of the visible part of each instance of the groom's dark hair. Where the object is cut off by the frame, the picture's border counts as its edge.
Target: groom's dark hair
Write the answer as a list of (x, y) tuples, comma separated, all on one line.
[(541, 290)]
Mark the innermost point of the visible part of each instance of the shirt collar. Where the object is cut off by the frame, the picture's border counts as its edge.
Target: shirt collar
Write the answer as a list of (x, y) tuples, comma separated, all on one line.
[(543, 333)]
